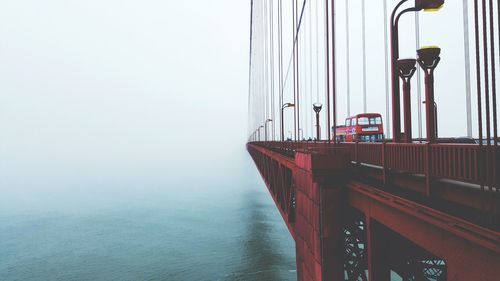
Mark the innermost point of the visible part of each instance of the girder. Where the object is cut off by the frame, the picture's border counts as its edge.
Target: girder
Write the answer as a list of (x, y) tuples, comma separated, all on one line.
[(348, 229)]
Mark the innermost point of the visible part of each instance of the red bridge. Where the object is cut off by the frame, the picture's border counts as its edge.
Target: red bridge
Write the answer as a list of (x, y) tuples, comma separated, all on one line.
[(359, 211), (402, 208)]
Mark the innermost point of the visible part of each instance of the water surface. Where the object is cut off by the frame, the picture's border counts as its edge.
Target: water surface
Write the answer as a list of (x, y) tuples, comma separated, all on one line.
[(222, 227)]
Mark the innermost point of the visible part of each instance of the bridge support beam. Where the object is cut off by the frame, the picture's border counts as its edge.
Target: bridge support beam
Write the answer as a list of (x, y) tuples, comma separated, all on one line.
[(320, 199), (345, 229), (404, 231)]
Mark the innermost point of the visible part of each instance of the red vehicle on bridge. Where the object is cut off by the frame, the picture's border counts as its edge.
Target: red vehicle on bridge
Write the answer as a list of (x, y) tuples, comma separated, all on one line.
[(365, 127)]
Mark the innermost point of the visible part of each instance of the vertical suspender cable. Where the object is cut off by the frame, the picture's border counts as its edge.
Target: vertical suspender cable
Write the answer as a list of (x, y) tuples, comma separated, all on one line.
[(327, 92), (493, 92), (478, 90), (386, 66), (486, 87), (468, 106), (303, 92), (259, 71), (363, 31), (310, 69), (317, 53), (495, 122), (297, 102), (256, 79), (266, 64), (300, 55), (249, 107), (264, 69), (280, 33), (299, 22), (334, 75), (260, 83), (271, 12), (294, 28), (419, 77), (347, 55)]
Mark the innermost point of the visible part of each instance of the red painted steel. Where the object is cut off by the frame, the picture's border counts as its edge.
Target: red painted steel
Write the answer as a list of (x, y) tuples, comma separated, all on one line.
[(406, 70), (471, 252), (459, 162), (314, 187)]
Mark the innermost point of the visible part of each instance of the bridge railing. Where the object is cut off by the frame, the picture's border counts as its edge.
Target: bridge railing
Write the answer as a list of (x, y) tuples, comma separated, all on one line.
[(407, 157), (456, 162), (469, 163), (462, 162), (403, 157)]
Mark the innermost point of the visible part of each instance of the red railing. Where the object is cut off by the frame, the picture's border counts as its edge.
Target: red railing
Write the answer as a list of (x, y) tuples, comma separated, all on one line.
[(469, 163), (367, 153), (406, 157), (459, 162)]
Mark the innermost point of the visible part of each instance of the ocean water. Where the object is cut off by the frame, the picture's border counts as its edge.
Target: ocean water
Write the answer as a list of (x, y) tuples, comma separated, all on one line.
[(223, 227)]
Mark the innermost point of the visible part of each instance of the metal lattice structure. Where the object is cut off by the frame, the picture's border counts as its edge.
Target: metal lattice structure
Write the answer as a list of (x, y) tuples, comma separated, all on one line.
[(355, 257)]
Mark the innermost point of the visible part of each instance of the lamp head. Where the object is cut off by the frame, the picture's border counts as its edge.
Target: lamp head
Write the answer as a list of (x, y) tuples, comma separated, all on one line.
[(406, 67), (317, 107), (288, 104), (429, 5), (269, 120), (425, 102), (428, 57)]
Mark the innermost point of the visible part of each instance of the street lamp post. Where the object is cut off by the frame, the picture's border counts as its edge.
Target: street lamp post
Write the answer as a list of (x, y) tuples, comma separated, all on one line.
[(428, 59), (435, 118), (428, 5), (259, 130), (265, 128), (288, 104), (406, 69), (317, 108)]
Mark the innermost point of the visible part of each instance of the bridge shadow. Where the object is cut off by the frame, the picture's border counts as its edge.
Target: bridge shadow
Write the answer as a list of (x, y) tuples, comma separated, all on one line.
[(268, 252)]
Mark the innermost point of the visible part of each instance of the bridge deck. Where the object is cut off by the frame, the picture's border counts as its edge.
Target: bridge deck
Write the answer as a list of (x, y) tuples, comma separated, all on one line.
[(438, 202)]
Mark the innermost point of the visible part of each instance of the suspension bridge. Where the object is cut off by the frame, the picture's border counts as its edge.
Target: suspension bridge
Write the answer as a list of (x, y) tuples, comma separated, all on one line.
[(344, 130)]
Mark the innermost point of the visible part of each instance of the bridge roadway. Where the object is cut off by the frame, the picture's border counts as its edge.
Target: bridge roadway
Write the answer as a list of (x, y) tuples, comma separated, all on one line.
[(368, 211)]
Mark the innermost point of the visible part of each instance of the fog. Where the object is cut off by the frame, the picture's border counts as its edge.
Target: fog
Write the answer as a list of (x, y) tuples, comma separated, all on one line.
[(121, 94)]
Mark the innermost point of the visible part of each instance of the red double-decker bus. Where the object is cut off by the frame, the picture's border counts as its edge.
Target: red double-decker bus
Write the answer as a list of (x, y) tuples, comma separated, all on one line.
[(363, 127)]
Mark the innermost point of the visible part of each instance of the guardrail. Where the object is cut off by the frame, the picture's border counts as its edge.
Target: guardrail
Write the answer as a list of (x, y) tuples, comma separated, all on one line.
[(469, 163)]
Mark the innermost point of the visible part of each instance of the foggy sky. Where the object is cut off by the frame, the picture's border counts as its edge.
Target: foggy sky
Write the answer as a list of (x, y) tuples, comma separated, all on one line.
[(120, 91)]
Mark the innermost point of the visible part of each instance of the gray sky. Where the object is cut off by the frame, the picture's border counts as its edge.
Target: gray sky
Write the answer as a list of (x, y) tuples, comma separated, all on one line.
[(100, 90)]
